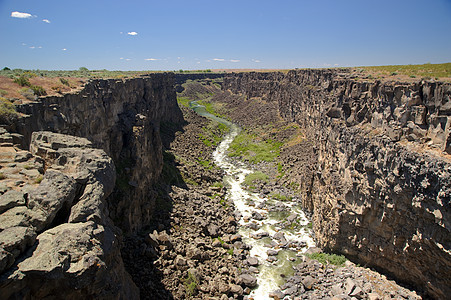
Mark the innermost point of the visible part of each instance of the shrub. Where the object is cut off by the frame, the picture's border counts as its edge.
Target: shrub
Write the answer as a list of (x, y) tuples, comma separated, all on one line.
[(190, 284), (7, 111), (28, 93), (64, 81), (22, 81), (38, 90), (2, 176), (326, 258), (3, 93)]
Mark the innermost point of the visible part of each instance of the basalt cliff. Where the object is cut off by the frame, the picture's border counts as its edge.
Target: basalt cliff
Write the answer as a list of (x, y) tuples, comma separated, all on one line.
[(60, 210), (374, 169)]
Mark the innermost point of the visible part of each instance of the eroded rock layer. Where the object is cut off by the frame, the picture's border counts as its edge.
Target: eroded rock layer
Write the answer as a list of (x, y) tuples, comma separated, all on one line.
[(123, 118), (379, 174)]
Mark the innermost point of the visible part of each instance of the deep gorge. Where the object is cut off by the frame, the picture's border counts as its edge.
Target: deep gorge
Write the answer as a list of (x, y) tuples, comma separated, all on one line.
[(373, 170)]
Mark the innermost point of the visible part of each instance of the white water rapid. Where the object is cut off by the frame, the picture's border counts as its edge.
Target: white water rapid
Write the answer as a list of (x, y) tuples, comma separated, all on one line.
[(295, 239)]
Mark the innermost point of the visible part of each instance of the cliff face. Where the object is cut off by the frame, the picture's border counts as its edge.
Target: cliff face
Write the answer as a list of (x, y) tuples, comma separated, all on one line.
[(61, 201), (123, 118), (381, 184)]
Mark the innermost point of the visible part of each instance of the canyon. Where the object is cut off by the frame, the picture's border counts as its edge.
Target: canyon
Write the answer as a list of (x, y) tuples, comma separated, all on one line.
[(128, 206)]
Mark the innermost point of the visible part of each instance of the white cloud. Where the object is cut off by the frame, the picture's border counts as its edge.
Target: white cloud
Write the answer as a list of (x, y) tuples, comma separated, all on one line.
[(218, 59), (234, 60), (20, 15), (32, 47), (132, 33), (40, 47), (151, 59), (46, 21), (255, 60), (121, 58), (64, 49), (127, 59)]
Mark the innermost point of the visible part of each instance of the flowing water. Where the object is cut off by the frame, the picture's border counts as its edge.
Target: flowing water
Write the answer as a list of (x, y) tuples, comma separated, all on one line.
[(298, 238)]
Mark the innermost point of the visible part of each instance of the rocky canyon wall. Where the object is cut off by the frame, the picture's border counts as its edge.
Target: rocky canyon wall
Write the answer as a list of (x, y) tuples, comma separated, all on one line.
[(93, 158), (123, 118), (381, 182)]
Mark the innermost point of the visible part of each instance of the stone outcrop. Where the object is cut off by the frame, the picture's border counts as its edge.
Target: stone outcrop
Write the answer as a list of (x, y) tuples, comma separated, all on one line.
[(379, 181), (59, 231), (123, 118)]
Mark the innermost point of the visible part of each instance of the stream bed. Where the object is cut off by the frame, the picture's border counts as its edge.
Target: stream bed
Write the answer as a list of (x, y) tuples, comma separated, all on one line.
[(277, 231)]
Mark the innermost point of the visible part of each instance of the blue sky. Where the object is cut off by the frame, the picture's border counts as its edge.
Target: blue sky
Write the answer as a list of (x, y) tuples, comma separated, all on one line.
[(197, 34)]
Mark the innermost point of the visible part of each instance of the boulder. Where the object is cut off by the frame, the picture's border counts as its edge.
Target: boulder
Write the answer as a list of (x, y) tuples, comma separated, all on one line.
[(248, 280)]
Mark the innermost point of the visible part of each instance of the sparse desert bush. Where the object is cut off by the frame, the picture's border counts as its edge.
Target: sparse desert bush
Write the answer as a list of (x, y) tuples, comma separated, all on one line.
[(8, 111), (22, 81), (190, 283), (64, 81), (38, 90), (28, 93)]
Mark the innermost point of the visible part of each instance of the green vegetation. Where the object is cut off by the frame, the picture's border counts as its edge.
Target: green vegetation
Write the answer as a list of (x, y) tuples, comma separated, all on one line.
[(190, 283), (64, 81), (422, 71), (8, 111), (325, 258), (218, 184), (38, 179), (3, 93), (38, 90), (205, 163), (22, 81), (183, 101), (2, 176), (28, 93), (280, 170), (254, 150), (281, 197), (251, 179)]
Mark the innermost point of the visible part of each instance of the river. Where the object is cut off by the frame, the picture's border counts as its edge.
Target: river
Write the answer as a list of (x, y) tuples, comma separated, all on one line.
[(269, 229)]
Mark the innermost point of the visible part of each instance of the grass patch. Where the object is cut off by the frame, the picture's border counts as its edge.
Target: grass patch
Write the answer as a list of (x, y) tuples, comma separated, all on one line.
[(38, 179), (250, 148), (218, 184), (183, 101), (257, 177), (326, 258), (190, 284), (281, 197), (205, 163)]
